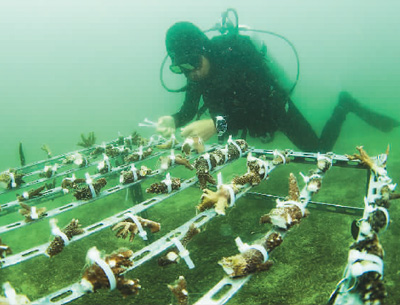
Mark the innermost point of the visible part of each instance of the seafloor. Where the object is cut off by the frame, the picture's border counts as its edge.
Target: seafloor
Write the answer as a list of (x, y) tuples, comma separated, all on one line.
[(307, 265)]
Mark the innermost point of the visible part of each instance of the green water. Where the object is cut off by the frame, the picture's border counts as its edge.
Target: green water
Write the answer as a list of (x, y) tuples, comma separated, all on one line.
[(72, 67)]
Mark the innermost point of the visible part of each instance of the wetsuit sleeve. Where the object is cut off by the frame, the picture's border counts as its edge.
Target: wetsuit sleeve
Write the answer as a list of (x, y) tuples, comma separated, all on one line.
[(189, 107)]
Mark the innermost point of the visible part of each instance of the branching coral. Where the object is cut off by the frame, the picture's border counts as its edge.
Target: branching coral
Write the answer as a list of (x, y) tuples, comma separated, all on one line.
[(137, 139), (115, 151), (165, 186), (128, 176), (369, 284), (288, 212), (85, 192), (167, 161), (11, 179), (138, 155), (128, 226), (49, 171), (4, 250), (245, 263), (77, 159), (172, 256), (168, 144), (377, 167), (205, 163), (58, 243), (71, 183), (88, 141), (31, 213), (179, 289), (257, 170), (98, 150), (219, 199), (281, 157), (31, 194), (94, 277), (193, 144)]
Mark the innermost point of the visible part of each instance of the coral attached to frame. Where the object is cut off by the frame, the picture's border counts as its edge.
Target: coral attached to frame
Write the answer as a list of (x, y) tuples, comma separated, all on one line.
[(95, 278), (128, 226), (57, 245)]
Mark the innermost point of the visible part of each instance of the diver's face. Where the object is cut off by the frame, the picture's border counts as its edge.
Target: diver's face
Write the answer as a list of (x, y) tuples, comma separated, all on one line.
[(201, 72)]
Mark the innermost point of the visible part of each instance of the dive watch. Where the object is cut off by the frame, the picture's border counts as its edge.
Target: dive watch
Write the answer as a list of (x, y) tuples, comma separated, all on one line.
[(220, 125)]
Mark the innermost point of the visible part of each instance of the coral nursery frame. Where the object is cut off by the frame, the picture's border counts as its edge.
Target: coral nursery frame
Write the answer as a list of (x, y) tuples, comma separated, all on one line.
[(227, 287)]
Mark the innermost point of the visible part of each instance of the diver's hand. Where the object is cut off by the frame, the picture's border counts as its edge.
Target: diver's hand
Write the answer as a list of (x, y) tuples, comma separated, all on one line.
[(166, 126), (204, 129)]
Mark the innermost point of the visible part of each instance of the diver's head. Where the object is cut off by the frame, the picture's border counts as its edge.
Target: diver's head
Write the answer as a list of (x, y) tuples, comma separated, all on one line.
[(188, 47)]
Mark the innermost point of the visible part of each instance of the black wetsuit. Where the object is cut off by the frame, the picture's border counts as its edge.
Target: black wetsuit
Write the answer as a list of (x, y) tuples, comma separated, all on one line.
[(242, 88)]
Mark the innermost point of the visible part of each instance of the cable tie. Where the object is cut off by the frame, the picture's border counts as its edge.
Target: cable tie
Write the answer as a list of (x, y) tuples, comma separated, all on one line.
[(12, 177), (10, 293), (292, 203), (225, 152), (206, 157), (321, 157), (228, 187), (55, 230), (236, 145), (34, 214), (243, 247), (107, 161), (148, 123), (54, 169), (93, 255), (140, 152), (168, 182), (183, 252), (172, 157), (361, 263), (279, 154), (266, 166), (142, 232), (25, 195), (173, 140), (89, 182), (134, 172)]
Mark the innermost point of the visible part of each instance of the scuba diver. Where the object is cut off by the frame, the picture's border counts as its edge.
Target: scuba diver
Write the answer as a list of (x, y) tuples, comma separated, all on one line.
[(242, 94)]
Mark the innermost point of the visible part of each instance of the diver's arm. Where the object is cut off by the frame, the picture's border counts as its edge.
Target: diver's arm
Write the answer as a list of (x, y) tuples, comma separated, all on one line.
[(189, 107)]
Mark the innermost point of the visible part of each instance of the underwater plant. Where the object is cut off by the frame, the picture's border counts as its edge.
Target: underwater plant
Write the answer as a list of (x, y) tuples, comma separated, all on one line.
[(88, 141), (21, 154), (46, 149)]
